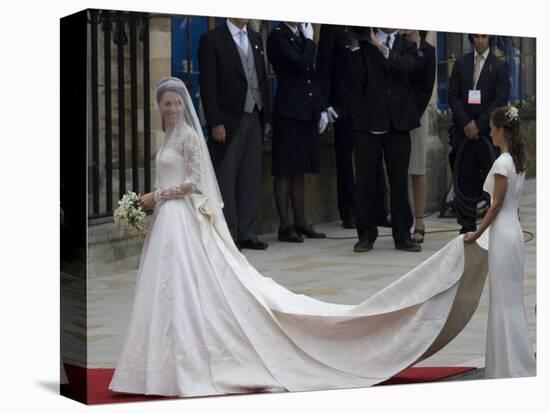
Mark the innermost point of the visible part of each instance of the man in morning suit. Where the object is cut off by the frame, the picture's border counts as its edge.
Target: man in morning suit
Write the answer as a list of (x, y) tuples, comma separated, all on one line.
[(234, 93), (384, 114), (479, 83)]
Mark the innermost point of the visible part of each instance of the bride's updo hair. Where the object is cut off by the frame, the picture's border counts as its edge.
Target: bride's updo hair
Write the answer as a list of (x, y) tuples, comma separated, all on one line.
[(169, 84), (507, 117)]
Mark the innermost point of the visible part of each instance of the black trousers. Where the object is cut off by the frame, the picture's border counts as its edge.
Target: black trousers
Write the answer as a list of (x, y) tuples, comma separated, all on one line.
[(395, 147), (345, 180), (473, 166), (345, 177)]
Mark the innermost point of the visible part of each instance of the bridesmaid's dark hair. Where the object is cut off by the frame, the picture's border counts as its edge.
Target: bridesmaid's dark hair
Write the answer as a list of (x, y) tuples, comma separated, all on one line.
[(506, 117)]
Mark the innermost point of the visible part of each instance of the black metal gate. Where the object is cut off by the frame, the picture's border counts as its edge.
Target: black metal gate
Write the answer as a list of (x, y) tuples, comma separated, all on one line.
[(118, 72)]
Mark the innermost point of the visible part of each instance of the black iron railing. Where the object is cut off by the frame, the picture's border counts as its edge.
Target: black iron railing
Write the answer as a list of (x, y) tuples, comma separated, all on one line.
[(123, 38)]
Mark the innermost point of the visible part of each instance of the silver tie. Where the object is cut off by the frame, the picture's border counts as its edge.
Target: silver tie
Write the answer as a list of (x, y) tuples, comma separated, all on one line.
[(242, 41), (477, 67)]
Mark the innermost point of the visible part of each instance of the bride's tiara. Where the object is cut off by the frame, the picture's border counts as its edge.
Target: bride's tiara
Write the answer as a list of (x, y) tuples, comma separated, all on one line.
[(170, 84)]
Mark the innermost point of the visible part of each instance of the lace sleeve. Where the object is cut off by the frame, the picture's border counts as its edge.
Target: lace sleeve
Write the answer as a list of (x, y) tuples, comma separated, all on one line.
[(190, 151), (172, 193)]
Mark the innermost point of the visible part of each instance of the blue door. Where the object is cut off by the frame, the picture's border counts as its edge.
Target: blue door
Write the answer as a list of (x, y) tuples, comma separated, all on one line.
[(186, 33)]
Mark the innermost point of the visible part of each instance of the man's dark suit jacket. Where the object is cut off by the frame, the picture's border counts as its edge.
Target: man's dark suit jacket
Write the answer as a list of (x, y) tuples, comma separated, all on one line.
[(423, 76), (298, 95), (383, 95), (494, 84), (334, 68), (222, 78)]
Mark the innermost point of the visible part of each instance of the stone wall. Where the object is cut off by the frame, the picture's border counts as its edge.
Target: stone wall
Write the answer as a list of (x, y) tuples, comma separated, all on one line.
[(529, 130), (320, 198), (160, 38), (436, 165)]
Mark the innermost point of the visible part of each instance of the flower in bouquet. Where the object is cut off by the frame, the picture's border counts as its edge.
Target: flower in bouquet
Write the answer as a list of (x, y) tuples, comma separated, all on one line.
[(130, 216)]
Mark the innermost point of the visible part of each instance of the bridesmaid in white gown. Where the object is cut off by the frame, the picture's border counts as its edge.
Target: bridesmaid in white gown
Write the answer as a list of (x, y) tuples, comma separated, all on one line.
[(205, 322), (509, 352)]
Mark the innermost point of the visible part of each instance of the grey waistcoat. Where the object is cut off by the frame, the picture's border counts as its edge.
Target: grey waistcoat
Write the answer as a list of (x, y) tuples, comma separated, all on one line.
[(253, 92)]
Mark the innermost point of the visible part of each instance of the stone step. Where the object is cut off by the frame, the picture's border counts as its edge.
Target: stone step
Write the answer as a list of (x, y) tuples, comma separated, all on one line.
[(109, 250)]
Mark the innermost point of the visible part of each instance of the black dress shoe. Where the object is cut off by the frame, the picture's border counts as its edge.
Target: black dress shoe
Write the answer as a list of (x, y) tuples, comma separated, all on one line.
[(309, 231), (253, 244), (408, 246), (237, 245), (290, 235), (349, 224), (362, 246)]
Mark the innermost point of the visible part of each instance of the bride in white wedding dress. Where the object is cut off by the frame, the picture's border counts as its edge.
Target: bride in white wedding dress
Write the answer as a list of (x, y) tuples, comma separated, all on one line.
[(205, 322)]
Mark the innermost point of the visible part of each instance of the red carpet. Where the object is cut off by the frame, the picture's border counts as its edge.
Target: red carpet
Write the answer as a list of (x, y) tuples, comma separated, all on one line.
[(97, 381), (425, 374)]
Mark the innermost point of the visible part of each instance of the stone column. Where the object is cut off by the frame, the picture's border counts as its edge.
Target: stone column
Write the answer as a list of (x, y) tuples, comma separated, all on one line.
[(160, 59)]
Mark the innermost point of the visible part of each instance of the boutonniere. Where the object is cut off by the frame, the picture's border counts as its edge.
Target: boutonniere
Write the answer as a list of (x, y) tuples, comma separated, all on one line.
[(258, 49)]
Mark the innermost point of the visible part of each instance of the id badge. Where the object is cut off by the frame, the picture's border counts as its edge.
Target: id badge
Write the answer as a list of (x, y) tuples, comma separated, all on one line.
[(474, 97)]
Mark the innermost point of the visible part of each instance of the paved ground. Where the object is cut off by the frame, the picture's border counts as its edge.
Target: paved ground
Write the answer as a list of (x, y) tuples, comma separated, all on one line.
[(328, 270)]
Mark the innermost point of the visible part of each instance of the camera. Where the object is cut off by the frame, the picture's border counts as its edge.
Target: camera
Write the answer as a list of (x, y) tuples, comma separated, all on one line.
[(360, 33)]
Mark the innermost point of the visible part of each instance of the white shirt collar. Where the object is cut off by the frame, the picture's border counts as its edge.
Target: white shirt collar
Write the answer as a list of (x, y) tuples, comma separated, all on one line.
[(484, 54), (382, 36), (294, 29), (234, 29)]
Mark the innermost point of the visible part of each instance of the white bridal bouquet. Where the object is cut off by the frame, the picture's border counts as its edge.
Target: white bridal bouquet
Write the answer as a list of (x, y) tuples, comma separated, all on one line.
[(130, 216)]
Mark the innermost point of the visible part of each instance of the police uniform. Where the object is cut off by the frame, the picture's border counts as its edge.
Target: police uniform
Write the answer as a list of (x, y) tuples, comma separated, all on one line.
[(297, 103)]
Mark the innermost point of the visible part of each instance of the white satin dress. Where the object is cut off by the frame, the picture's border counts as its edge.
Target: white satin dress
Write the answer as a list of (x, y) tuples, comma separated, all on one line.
[(509, 352), (205, 322)]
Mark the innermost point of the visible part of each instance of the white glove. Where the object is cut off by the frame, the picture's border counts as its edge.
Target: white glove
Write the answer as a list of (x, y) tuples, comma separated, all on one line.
[(332, 115), (323, 122), (307, 30)]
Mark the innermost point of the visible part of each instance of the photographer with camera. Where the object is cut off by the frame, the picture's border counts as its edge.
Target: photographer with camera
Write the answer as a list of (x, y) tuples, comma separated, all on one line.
[(384, 113), (335, 73)]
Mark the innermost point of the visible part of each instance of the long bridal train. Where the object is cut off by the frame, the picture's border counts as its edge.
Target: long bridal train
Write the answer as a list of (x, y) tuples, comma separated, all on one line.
[(206, 322)]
